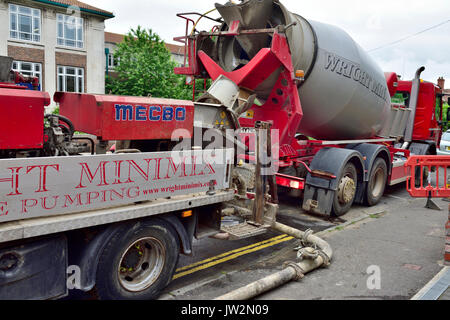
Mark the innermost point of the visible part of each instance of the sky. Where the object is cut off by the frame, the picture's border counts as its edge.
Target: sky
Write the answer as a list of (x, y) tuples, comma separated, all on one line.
[(372, 24)]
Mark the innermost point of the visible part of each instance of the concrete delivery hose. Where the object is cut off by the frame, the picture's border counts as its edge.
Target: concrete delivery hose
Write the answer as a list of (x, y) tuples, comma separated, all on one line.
[(319, 254)]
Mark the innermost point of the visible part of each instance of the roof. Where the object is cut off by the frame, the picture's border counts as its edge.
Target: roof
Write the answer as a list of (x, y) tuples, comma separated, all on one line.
[(118, 38), (113, 37), (175, 49), (83, 7)]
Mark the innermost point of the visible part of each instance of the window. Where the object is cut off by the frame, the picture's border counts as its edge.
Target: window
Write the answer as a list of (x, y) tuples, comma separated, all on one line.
[(112, 61), (29, 69), (25, 23), (70, 31), (70, 79), (401, 97)]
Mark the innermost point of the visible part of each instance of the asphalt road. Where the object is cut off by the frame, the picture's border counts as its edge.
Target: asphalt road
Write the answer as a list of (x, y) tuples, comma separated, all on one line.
[(213, 258), (218, 266)]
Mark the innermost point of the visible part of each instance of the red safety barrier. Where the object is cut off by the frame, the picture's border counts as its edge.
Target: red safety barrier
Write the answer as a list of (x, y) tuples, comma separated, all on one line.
[(434, 184), (437, 184)]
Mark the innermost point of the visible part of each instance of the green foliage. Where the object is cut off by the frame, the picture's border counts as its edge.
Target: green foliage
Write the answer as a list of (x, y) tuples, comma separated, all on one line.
[(444, 117), (444, 112), (146, 68), (398, 98)]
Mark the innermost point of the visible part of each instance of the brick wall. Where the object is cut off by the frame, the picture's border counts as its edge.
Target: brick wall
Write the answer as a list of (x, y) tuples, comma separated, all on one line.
[(29, 55), (71, 60)]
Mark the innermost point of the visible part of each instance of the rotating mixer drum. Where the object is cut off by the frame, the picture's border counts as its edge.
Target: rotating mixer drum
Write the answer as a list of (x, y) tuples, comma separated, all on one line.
[(344, 95)]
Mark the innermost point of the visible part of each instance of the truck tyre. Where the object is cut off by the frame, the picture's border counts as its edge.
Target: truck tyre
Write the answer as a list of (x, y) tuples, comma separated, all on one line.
[(139, 263), (244, 178), (425, 175), (345, 195), (377, 182)]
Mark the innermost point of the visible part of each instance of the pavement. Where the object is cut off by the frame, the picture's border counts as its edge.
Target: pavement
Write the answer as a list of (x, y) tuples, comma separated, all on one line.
[(387, 252)]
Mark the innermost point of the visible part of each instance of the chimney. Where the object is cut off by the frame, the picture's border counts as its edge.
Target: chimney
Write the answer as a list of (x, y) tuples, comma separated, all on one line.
[(441, 83)]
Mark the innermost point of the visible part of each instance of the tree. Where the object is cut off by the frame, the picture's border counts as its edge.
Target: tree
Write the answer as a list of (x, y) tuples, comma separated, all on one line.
[(146, 68)]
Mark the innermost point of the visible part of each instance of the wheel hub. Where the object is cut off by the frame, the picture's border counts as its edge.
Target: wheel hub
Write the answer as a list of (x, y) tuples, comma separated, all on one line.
[(141, 264), (346, 191), (133, 257)]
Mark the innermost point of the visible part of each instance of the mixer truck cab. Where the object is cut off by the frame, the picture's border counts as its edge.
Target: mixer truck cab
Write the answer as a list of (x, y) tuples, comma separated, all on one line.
[(428, 122), (358, 139)]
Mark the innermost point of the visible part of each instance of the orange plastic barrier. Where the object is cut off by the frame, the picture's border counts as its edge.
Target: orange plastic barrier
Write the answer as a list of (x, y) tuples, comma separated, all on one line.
[(435, 184)]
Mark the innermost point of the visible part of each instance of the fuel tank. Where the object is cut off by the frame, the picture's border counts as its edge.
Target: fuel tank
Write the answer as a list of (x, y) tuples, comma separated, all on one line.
[(344, 95)]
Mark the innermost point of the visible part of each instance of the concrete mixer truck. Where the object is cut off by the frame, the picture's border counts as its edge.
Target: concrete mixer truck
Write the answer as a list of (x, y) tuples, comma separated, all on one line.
[(75, 216), (341, 139)]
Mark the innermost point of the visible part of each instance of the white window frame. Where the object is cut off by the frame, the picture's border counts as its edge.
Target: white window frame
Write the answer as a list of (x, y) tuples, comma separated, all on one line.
[(78, 75), (36, 69), (113, 62), (64, 22), (17, 11)]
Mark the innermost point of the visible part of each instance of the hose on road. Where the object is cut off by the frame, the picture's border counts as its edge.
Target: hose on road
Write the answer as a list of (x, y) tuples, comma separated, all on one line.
[(318, 254)]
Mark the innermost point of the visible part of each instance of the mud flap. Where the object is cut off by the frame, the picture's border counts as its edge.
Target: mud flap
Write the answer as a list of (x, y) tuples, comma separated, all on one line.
[(318, 200), (320, 191)]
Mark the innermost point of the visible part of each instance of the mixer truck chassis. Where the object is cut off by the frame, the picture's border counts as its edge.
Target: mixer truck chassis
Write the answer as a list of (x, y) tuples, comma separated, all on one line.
[(310, 84)]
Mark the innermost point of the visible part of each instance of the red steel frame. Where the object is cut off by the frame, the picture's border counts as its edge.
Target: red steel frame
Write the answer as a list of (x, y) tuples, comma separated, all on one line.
[(283, 106)]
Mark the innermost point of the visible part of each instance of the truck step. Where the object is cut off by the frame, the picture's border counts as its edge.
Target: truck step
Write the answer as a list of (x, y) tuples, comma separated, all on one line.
[(243, 230)]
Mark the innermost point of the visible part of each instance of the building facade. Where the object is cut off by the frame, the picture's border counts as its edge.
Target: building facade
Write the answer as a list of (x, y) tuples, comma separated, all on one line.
[(60, 42), (446, 92)]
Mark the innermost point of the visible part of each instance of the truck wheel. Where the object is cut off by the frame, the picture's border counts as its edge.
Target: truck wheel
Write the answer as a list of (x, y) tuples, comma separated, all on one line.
[(377, 182), (244, 178), (425, 175), (345, 195), (139, 263), (425, 172)]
